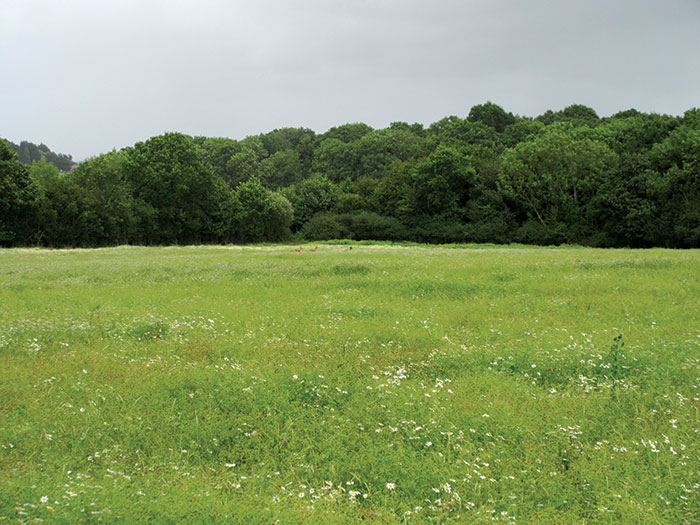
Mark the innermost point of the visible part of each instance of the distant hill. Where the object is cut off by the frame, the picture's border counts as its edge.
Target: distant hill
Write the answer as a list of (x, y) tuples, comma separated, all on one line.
[(29, 152)]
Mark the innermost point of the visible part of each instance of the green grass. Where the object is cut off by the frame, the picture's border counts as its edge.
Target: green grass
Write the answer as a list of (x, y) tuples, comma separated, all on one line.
[(376, 382)]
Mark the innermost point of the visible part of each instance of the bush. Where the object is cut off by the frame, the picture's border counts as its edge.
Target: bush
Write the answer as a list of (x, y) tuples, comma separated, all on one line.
[(324, 226), (362, 226), (534, 232), (440, 230), (368, 225)]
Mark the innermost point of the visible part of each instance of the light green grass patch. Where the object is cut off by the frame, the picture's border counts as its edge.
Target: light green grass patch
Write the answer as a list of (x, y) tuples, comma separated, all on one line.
[(378, 382)]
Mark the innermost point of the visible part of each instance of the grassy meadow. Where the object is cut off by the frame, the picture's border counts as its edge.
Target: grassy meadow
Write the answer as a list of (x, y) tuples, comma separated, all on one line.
[(375, 382)]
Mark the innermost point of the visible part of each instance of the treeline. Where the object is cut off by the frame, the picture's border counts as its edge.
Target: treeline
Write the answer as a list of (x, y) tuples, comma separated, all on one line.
[(29, 153), (632, 179)]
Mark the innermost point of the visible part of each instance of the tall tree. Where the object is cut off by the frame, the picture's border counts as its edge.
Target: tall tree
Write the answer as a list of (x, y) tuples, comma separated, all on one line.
[(311, 196), (554, 178), (29, 153), (676, 162), (110, 197), (17, 194), (576, 114), (175, 191), (281, 169), (492, 115), (217, 151), (442, 183), (263, 215)]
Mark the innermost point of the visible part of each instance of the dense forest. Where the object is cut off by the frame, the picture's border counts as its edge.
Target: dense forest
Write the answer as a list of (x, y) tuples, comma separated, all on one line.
[(569, 176)]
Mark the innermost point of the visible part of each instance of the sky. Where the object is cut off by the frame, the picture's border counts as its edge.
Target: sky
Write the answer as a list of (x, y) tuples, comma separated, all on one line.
[(87, 76)]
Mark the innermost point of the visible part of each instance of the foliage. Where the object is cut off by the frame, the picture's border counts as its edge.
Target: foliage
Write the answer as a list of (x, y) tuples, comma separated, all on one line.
[(324, 226), (29, 153), (576, 114), (311, 196), (442, 182), (175, 192), (262, 215), (282, 169), (567, 176), (492, 115), (554, 179), (16, 198), (110, 198), (362, 225)]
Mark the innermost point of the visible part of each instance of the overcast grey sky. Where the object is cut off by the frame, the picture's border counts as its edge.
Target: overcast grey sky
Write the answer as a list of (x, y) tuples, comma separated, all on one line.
[(86, 76)]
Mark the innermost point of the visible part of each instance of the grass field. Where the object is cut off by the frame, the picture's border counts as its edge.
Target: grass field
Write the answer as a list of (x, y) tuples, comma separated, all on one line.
[(385, 383)]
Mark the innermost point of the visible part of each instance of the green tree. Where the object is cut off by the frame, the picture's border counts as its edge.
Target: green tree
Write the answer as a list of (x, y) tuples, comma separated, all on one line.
[(676, 186), (554, 177), (335, 159), (635, 134), (492, 115), (521, 130), (575, 114), (41, 172), (28, 153), (279, 219), (17, 195), (300, 140), (177, 198), (110, 197), (394, 194), (375, 152), (356, 195), (262, 214), (347, 132), (217, 152), (311, 196), (242, 167), (463, 135), (286, 139), (66, 216), (416, 128), (281, 169), (624, 209), (442, 183)]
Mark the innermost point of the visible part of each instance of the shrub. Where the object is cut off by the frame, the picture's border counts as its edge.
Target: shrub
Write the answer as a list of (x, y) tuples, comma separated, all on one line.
[(323, 226)]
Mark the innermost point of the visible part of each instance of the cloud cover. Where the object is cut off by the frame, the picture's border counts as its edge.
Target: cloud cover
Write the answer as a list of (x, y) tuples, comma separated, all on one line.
[(85, 77)]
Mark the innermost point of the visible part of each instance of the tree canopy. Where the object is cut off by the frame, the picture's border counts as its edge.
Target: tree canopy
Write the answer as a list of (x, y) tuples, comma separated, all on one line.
[(566, 176)]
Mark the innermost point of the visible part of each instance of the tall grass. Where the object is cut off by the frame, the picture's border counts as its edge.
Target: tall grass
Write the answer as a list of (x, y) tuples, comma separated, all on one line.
[(388, 383)]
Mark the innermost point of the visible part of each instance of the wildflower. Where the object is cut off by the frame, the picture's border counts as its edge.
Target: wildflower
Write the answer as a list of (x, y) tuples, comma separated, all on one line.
[(44, 499), (390, 486)]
